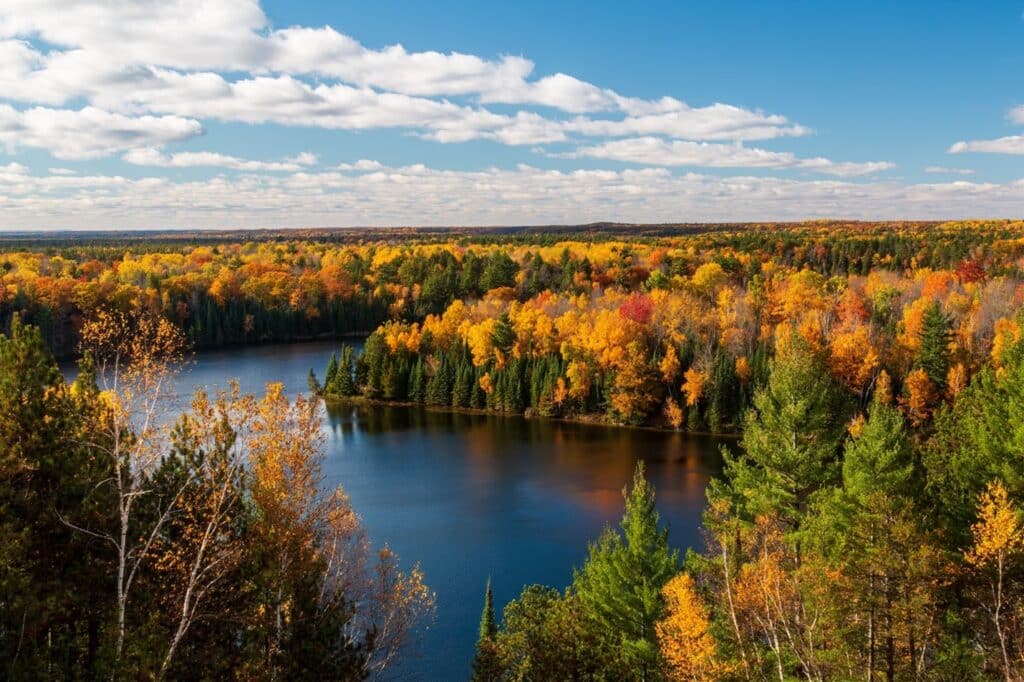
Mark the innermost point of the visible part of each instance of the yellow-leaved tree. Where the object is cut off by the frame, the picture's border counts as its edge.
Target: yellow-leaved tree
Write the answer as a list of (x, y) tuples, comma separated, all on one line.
[(998, 538), (686, 644)]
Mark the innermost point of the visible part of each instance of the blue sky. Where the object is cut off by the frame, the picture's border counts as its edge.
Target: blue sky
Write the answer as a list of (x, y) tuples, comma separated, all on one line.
[(236, 113)]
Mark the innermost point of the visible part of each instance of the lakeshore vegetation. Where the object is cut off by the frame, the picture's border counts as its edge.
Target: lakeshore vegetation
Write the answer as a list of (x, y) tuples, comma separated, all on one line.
[(868, 524)]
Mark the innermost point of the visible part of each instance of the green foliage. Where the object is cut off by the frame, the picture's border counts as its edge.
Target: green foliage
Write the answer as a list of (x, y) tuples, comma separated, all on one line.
[(933, 355), (486, 663), (791, 437), (620, 583), (978, 439), (548, 636)]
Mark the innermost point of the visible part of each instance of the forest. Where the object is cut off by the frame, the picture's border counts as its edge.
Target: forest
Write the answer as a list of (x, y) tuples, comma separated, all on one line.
[(839, 545), (867, 524)]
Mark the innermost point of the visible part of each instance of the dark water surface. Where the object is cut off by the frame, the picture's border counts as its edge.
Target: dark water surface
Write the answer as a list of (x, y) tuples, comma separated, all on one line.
[(472, 496)]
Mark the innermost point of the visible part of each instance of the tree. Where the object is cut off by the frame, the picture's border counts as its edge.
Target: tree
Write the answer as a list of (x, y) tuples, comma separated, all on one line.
[(486, 665), (998, 538), (323, 606), (684, 637), (888, 567), (204, 542), (620, 584), (791, 437), (933, 352), (344, 383), (51, 577), (548, 636), (136, 357)]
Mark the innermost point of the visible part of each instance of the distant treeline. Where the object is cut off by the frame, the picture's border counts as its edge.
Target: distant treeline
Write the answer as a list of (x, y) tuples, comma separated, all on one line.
[(283, 286)]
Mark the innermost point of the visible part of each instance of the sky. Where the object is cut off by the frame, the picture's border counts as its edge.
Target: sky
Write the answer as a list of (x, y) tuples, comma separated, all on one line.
[(132, 114)]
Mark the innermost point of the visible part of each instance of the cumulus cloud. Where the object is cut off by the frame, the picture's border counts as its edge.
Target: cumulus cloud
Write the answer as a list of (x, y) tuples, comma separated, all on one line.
[(88, 132), (153, 157), (1012, 144), (658, 151), (945, 170), (168, 58), (92, 78), (379, 195)]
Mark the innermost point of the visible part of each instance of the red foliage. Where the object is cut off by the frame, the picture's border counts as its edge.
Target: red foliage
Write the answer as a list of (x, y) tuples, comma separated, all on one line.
[(638, 308), (970, 271)]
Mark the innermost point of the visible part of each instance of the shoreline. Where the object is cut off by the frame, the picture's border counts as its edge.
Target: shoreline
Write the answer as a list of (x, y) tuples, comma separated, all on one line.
[(586, 419)]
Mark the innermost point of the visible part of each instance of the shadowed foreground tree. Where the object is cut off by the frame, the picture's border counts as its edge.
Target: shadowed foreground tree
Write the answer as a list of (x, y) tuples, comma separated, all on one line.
[(486, 666), (149, 547)]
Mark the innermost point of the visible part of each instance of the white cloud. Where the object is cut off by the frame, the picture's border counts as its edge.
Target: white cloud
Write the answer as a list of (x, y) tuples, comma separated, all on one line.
[(1012, 144), (361, 165), (381, 195), (657, 151), (88, 132), (1017, 114), (675, 119), (96, 78), (138, 56), (945, 170), (153, 157)]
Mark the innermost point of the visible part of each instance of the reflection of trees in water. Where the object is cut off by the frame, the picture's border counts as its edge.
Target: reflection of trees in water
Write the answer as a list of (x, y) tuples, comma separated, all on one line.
[(586, 465)]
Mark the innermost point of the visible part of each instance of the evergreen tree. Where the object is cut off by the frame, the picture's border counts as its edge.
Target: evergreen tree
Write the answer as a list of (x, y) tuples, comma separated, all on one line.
[(417, 381), (620, 583), (791, 438), (486, 664), (933, 355), (331, 376), (344, 381), (51, 577), (979, 438), (463, 391), (870, 528), (503, 335), (478, 399)]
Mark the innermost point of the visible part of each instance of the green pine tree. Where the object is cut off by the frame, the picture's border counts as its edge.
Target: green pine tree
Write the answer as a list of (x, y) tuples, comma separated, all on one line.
[(933, 355), (486, 663), (872, 529), (330, 378), (417, 382), (620, 583), (344, 381), (791, 438)]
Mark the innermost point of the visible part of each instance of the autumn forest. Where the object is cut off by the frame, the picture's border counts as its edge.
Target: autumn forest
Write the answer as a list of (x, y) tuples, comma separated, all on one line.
[(868, 522)]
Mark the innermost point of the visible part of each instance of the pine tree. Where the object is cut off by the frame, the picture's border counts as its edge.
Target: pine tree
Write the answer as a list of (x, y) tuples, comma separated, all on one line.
[(344, 382), (478, 399), (791, 438), (463, 391), (620, 583), (417, 381), (933, 355), (51, 576), (486, 664), (870, 528), (330, 378)]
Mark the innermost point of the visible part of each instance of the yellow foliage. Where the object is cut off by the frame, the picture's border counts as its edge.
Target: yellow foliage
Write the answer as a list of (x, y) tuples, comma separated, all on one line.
[(693, 386), (684, 638), (673, 413), (998, 532)]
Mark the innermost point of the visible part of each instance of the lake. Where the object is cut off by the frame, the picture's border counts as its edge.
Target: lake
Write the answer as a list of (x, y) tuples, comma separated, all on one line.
[(474, 496)]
